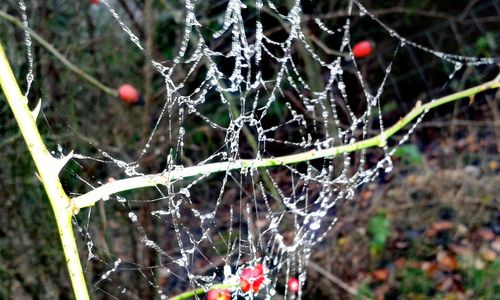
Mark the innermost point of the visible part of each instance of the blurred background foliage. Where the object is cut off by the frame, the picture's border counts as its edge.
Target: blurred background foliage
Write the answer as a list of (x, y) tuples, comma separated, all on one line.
[(430, 229)]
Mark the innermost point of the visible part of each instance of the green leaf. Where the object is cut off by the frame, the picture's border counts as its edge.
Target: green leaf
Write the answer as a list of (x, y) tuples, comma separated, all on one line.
[(485, 44), (379, 230), (410, 155)]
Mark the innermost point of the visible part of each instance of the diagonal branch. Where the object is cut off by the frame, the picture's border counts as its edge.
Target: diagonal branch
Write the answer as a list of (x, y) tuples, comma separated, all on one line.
[(165, 178), (75, 69)]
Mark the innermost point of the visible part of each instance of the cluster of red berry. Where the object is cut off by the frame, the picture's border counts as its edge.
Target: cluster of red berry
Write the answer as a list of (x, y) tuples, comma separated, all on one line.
[(219, 294), (251, 279)]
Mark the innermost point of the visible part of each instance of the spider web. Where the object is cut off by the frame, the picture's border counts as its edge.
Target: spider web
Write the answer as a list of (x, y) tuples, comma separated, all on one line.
[(257, 94)]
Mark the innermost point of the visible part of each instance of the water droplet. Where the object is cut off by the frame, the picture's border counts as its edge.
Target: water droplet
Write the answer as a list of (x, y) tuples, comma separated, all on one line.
[(132, 217)]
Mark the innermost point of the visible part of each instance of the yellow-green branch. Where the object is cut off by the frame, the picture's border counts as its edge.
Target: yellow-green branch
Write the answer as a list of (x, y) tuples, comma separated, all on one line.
[(103, 192), (200, 291), (48, 170)]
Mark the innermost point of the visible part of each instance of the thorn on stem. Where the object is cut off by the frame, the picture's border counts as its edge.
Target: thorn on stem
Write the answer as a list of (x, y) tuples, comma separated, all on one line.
[(36, 111)]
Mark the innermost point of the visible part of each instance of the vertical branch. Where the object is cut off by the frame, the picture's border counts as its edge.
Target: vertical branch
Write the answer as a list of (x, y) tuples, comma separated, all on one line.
[(146, 253), (48, 170)]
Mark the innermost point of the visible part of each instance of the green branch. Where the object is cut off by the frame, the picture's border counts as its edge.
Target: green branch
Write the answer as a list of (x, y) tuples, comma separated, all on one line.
[(200, 291), (48, 170), (103, 192)]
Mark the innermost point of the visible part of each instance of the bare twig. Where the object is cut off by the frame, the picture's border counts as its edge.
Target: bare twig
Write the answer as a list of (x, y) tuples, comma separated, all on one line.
[(332, 278), (89, 78), (384, 11), (131, 16), (325, 48)]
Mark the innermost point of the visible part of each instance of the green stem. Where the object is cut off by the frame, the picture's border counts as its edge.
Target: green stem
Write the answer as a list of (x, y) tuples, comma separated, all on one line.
[(60, 56), (255, 148), (48, 169), (103, 192), (200, 291)]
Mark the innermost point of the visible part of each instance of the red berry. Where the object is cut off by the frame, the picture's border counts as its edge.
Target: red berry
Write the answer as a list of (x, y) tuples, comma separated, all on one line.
[(96, 2), (362, 49), (128, 93), (252, 278), (293, 284), (219, 294)]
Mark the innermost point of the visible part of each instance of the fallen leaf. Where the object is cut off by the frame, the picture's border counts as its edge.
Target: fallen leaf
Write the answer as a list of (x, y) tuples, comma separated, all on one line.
[(366, 194), (486, 234), (442, 225), (495, 245), (381, 291), (479, 264), (445, 261), (462, 229), (400, 263), (430, 268), (445, 285), (488, 254), (381, 274), (437, 227), (343, 241), (466, 250)]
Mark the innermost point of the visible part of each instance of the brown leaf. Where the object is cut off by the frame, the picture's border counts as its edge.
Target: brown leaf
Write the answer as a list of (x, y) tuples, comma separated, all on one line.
[(495, 245), (447, 262), (430, 268), (486, 234), (381, 274), (488, 254), (437, 227), (442, 225), (366, 194), (445, 285), (466, 250), (381, 291), (400, 263)]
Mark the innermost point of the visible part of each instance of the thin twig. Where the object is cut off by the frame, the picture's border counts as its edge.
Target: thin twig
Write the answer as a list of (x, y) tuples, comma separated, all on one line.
[(325, 48), (384, 11), (131, 16), (332, 278), (60, 56)]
